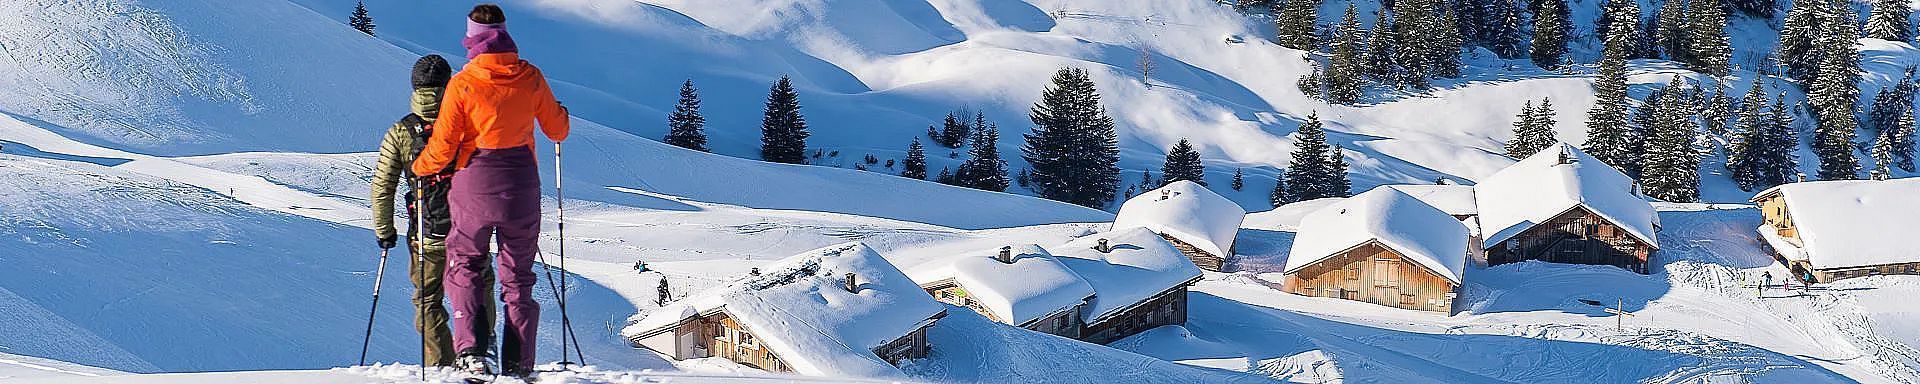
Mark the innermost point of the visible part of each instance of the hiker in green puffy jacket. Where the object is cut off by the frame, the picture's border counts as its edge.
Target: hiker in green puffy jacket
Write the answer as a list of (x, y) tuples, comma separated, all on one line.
[(426, 234)]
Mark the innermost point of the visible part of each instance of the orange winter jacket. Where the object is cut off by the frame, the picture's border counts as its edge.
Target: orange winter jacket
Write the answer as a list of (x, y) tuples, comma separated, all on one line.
[(491, 104)]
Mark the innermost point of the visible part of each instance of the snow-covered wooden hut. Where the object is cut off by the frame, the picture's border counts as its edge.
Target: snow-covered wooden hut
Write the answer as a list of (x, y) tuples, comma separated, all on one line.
[(1561, 205), (837, 311), (1020, 285), (1201, 223), (1830, 230), (1383, 247), (1139, 282)]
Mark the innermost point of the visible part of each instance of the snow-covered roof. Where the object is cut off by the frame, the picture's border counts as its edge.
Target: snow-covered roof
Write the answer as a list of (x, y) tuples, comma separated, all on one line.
[(1450, 198), (1417, 231), (1138, 265), (1540, 187), (1034, 285), (799, 307), (1853, 223), (1186, 211)]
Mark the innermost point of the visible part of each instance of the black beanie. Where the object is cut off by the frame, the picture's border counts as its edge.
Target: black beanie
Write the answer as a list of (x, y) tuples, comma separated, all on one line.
[(431, 71)]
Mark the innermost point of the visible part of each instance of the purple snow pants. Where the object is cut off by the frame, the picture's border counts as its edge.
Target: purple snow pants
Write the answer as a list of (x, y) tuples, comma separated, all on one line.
[(495, 198)]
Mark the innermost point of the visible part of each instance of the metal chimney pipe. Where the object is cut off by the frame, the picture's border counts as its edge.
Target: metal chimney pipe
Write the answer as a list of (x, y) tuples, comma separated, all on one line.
[(1103, 247), (853, 283), (1006, 255)]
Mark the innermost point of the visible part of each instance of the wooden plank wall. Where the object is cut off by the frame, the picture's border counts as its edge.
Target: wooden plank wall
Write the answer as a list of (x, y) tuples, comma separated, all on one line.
[(1375, 274), (1575, 237)]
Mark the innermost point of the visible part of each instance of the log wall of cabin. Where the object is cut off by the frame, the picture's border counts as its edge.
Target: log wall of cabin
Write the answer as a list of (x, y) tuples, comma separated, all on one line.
[(1375, 274), (1167, 308), (913, 345), (1575, 237), (728, 340), (1202, 259), (1064, 323)]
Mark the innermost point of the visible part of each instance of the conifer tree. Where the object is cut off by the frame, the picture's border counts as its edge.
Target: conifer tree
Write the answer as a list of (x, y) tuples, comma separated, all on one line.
[(1831, 96), (1312, 84), (954, 131), (1621, 17), (1523, 126), (1891, 122), (984, 169), (685, 126), (1183, 163), (1507, 39), (945, 177), (1889, 21), (783, 130), (1239, 179), (1295, 24), (1708, 47), (1383, 51), (1670, 32), (1444, 57), (1317, 169), (1778, 164), (360, 20), (1759, 9), (1551, 31), (1610, 138), (1714, 114), (1532, 130), (1672, 168), (1073, 148), (1343, 62), (1797, 48), (1418, 41), (915, 166), (1279, 196), (1750, 137)]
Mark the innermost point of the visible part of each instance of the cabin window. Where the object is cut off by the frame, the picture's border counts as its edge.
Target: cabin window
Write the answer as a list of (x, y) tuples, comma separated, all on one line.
[(1606, 231), (1406, 299), (1353, 273), (746, 341), (1386, 273), (1060, 323), (1349, 295)]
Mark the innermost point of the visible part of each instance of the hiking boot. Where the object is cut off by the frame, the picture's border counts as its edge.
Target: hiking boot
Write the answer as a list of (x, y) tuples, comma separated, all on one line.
[(478, 364), (516, 371)]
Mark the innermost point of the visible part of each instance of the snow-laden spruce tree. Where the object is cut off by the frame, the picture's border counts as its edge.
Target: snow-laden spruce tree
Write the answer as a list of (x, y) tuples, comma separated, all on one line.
[(1780, 163), (1183, 163), (1621, 18), (1670, 30), (1609, 136), (1759, 9), (783, 131), (1831, 96), (1532, 130), (1239, 179), (1443, 58), (1890, 121), (1383, 52), (1709, 49), (984, 169), (1296, 23), (1797, 32), (1073, 148), (1716, 111), (1508, 40), (1671, 171), (1750, 129), (360, 20), (1317, 169), (954, 131), (685, 126), (1343, 60), (915, 166), (1889, 21), (1551, 30), (1279, 196)]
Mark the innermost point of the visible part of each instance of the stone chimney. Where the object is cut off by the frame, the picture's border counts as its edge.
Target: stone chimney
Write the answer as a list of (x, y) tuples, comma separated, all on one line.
[(1005, 256), (1163, 194), (1103, 247), (1566, 156), (853, 282), (754, 272), (1800, 177)]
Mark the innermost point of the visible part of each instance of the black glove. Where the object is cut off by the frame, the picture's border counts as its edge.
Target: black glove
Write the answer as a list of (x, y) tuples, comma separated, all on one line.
[(389, 241)]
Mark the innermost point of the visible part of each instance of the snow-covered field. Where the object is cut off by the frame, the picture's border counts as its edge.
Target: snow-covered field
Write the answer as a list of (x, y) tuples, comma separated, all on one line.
[(184, 190)]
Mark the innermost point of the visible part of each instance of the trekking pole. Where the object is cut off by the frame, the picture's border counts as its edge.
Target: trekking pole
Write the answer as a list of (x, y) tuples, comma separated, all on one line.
[(560, 210), (418, 240), (377, 276)]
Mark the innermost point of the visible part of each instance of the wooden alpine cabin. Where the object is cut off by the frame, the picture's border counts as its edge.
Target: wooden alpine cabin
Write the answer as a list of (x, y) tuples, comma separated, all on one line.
[(1020, 285), (1562, 206), (781, 320), (1383, 247), (1200, 223), (1831, 230), (1139, 282)]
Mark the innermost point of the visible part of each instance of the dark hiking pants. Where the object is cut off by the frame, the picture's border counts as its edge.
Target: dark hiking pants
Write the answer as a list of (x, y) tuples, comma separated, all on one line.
[(495, 200)]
